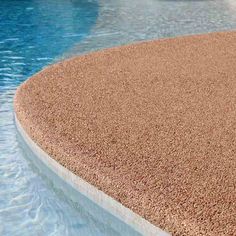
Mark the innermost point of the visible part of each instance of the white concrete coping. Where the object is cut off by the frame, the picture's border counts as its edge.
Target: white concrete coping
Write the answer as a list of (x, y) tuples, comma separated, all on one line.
[(106, 202)]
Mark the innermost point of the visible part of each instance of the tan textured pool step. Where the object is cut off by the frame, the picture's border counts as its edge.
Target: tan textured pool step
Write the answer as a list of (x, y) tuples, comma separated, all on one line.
[(151, 124)]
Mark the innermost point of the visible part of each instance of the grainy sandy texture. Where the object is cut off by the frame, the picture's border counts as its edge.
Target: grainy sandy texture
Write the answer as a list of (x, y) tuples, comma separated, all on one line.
[(152, 125)]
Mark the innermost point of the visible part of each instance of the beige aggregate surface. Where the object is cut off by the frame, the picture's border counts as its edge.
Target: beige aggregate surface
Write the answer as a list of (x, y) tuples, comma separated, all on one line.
[(151, 124)]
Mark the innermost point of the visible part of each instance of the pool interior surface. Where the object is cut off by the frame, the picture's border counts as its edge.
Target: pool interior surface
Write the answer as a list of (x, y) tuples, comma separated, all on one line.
[(35, 33)]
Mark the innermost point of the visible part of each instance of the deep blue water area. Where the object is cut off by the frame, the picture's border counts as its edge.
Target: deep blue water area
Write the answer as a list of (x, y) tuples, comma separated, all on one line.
[(34, 32)]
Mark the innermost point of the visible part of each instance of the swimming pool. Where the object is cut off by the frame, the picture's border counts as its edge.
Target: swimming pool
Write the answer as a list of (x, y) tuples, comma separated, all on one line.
[(35, 33)]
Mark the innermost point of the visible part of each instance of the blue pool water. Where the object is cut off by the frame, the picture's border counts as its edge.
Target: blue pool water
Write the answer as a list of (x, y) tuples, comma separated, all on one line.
[(35, 33)]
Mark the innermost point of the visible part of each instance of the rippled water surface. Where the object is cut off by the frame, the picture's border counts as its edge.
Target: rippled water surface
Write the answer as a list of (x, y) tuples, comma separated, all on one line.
[(126, 21), (34, 33)]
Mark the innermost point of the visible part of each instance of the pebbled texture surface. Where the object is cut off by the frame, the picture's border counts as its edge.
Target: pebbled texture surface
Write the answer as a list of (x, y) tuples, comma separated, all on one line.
[(151, 124)]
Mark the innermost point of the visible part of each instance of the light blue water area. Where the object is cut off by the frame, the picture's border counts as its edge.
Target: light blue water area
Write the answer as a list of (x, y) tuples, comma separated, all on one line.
[(126, 21), (34, 33)]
